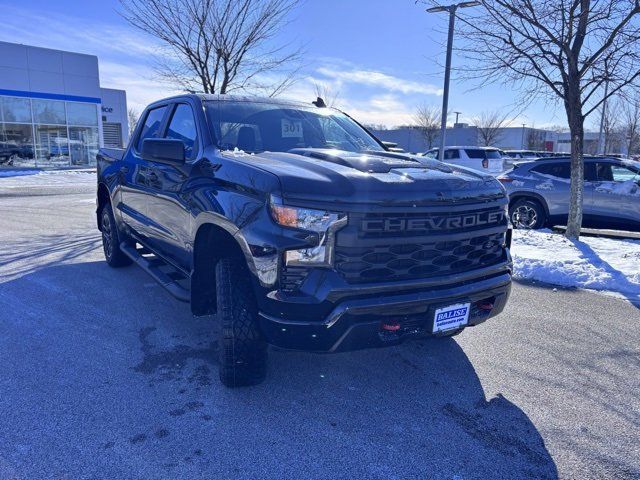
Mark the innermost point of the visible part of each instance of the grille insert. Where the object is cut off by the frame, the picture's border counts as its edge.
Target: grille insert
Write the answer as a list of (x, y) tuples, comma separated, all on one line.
[(417, 260)]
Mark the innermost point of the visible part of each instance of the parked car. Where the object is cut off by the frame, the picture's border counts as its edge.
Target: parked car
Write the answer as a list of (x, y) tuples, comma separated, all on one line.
[(539, 193), (9, 152), (522, 154), (483, 159), (300, 229)]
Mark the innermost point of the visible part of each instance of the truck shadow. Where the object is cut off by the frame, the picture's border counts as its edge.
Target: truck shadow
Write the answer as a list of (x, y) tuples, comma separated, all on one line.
[(413, 411)]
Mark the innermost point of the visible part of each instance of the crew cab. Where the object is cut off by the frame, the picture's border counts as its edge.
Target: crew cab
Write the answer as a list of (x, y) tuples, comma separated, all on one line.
[(299, 229)]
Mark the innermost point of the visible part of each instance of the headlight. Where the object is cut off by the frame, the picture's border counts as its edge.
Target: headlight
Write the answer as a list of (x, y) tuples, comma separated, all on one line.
[(322, 222)]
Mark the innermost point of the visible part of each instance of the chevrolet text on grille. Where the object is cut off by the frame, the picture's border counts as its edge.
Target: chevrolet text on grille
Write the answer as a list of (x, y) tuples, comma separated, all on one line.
[(431, 223)]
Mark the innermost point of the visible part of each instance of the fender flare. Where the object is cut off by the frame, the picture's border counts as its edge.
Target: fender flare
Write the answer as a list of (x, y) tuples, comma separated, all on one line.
[(225, 224)]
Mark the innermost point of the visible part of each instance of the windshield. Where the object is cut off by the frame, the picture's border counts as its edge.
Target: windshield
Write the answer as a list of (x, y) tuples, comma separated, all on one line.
[(258, 127)]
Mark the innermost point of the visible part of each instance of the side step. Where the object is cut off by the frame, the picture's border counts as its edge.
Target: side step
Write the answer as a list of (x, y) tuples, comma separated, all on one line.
[(163, 273)]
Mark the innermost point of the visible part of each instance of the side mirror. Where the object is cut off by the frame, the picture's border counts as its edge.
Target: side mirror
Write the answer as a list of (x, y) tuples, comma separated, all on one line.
[(164, 150)]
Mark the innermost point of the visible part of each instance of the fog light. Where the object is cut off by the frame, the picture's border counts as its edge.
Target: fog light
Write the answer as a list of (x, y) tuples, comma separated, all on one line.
[(305, 256)]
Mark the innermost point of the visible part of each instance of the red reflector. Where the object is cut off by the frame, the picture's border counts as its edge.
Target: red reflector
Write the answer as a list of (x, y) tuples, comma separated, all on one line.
[(391, 327), (505, 179), (485, 306)]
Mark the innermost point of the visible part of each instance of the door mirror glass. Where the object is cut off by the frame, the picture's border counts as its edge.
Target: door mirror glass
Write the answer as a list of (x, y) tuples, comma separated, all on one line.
[(163, 150)]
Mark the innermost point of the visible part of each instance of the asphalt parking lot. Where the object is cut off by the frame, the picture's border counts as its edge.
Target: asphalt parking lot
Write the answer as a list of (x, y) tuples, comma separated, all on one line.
[(103, 375)]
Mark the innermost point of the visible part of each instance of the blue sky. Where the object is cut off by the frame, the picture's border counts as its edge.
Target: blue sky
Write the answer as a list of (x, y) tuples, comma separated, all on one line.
[(383, 57)]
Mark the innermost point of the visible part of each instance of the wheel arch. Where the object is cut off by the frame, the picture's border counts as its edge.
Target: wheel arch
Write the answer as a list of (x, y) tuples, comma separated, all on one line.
[(103, 198), (211, 243), (514, 197)]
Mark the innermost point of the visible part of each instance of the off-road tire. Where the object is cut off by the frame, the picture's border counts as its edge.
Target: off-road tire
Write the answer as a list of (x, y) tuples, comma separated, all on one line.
[(537, 216), (242, 349), (111, 239)]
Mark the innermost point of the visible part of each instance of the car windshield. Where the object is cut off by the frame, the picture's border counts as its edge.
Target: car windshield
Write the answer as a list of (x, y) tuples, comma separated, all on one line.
[(258, 127)]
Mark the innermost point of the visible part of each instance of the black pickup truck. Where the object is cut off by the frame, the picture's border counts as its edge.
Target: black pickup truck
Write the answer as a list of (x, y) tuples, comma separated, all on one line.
[(298, 228)]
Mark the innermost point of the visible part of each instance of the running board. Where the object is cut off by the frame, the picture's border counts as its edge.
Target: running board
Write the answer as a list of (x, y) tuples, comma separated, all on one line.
[(153, 266)]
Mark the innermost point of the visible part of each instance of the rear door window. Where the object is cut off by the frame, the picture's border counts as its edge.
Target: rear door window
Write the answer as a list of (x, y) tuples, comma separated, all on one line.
[(604, 172), (151, 126), (451, 154), (558, 170)]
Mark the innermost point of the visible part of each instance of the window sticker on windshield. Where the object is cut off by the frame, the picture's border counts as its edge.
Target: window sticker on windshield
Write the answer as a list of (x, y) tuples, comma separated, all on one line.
[(291, 129)]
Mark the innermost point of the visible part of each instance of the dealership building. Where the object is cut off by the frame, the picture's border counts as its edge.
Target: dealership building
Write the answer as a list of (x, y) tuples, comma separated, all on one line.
[(53, 111)]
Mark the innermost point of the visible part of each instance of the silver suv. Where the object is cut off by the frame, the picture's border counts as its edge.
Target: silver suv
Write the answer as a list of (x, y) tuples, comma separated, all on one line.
[(539, 193)]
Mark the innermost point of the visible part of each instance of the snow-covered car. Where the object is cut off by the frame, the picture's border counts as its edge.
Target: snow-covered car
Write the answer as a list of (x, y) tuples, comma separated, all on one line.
[(539, 193), (483, 159)]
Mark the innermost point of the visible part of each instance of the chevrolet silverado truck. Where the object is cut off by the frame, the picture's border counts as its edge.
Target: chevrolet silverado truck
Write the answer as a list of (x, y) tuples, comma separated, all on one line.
[(299, 229)]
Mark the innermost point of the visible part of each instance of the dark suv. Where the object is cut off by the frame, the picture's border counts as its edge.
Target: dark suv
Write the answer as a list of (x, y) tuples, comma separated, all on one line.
[(299, 229)]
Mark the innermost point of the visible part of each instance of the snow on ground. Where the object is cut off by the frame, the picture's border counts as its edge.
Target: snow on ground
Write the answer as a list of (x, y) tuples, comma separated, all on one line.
[(610, 265), (53, 178)]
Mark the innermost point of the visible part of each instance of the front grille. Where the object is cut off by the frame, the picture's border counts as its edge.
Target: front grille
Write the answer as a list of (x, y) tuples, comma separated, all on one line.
[(364, 258)]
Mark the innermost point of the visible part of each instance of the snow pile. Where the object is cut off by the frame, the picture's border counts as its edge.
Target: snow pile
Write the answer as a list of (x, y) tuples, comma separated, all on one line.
[(54, 178), (603, 264), (630, 187)]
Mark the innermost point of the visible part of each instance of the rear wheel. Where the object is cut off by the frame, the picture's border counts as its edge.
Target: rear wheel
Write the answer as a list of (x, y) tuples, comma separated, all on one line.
[(527, 214), (111, 240), (242, 348)]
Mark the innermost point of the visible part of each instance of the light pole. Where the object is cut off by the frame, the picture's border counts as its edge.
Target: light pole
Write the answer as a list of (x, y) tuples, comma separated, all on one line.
[(447, 72), (457, 116), (522, 140)]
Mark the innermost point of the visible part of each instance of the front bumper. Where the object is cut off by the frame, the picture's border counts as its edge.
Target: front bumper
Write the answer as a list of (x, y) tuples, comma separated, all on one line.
[(358, 322)]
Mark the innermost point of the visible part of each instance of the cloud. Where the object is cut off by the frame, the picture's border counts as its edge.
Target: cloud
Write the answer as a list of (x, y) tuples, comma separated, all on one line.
[(66, 32), (139, 82), (378, 79)]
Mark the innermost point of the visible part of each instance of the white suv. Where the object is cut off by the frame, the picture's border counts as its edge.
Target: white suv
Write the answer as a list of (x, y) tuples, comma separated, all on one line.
[(484, 159)]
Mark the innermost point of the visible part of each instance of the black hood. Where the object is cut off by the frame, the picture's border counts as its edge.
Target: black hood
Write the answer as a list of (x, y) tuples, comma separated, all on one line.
[(337, 176)]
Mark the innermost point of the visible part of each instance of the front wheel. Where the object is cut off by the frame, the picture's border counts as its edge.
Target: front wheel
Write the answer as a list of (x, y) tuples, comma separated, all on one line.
[(242, 349), (527, 214)]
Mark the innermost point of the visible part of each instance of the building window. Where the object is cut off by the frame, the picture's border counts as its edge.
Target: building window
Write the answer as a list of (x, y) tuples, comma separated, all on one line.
[(83, 145), (16, 144), (38, 133), (49, 112), (52, 145), (82, 114), (17, 110)]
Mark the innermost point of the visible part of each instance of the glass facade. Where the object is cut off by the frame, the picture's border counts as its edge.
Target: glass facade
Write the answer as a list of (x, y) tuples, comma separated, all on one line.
[(36, 132)]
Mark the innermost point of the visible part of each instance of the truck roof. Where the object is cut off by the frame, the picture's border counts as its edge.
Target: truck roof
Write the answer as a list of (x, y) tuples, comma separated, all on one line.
[(234, 98)]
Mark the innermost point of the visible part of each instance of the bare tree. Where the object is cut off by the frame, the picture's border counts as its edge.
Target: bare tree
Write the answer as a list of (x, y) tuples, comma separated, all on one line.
[(218, 46), (535, 139), (132, 116), (631, 125), (563, 49), (427, 121), (490, 125), (612, 128)]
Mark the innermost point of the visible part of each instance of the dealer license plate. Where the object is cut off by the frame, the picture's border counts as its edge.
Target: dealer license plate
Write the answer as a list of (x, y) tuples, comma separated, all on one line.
[(451, 317)]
